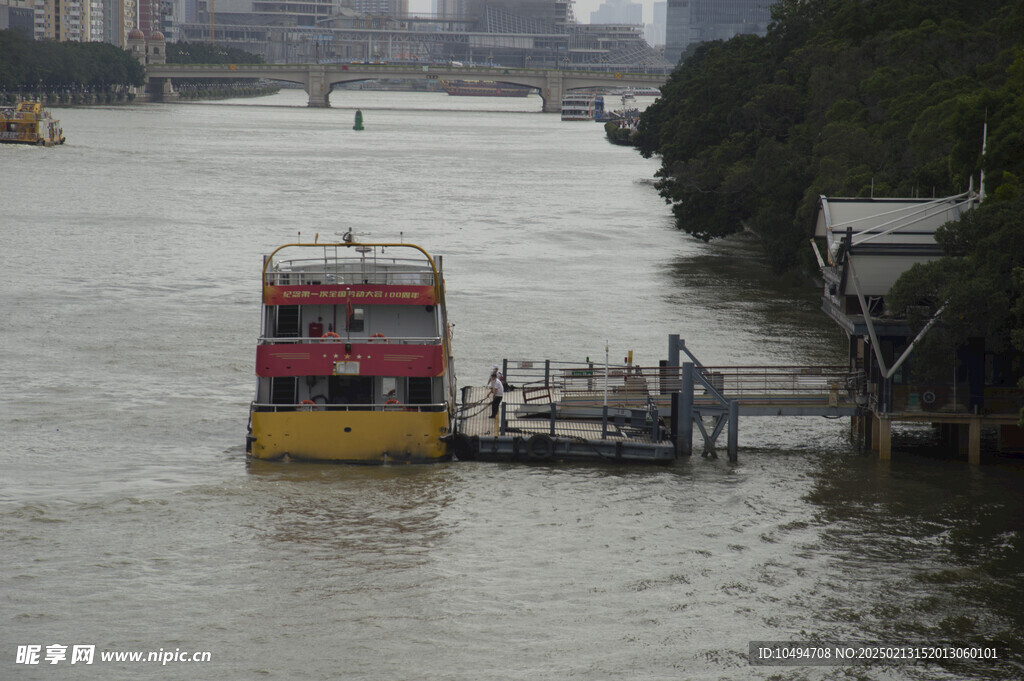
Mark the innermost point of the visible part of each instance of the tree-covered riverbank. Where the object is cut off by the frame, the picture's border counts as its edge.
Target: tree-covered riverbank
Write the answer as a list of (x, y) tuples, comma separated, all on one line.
[(65, 73), (841, 98), (73, 73)]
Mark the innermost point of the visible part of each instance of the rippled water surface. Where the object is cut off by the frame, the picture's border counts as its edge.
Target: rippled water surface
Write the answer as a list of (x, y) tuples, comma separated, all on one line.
[(131, 521)]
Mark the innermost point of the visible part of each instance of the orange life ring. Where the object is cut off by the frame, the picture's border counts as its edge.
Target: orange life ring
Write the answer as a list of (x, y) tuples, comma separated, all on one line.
[(392, 401), (308, 405), (329, 334), (378, 336)]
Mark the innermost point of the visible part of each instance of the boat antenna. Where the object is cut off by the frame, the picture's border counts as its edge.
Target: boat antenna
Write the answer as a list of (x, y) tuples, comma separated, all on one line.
[(300, 237)]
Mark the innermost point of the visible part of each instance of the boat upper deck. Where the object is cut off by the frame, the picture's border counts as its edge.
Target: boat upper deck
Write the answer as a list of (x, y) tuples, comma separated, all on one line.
[(351, 264)]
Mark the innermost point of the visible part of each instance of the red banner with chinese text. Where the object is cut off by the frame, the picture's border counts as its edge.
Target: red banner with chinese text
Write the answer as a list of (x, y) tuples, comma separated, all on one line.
[(334, 294)]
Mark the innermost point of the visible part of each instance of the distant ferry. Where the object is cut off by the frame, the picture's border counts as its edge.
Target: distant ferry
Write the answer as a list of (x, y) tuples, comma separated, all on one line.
[(582, 107), (354, 362), (484, 88), (29, 123)]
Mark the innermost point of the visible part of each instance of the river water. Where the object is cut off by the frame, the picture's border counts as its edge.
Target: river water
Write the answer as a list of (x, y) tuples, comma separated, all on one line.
[(131, 521)]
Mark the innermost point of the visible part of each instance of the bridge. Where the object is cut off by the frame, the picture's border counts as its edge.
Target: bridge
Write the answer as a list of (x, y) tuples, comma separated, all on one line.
[(319, 80)]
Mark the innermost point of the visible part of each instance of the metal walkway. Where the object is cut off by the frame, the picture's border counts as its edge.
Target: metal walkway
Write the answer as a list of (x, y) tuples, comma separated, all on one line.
[(566, 411)]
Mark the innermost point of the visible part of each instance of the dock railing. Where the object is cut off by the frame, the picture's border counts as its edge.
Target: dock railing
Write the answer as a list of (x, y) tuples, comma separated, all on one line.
[(632, 385), (584, 400), (770, 385)]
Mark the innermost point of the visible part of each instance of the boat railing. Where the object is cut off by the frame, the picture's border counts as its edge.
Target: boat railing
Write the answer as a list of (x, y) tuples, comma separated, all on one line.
[(376, 338), (357, 268), (350, 278), (393, 406)]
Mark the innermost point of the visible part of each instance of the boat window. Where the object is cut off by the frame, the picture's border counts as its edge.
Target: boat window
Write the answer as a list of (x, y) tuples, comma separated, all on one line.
[(350, 390), (419, 390), (287, 322), (357, 320), (389, 387)]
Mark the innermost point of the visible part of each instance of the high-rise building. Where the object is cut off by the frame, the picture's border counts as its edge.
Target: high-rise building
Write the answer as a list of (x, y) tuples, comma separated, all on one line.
[(386, 8), (539, 12), (148, 16), (449, 9), (18, 15), (654, 32), (74, 20), (697, 21), (273, 12), (618, 12)]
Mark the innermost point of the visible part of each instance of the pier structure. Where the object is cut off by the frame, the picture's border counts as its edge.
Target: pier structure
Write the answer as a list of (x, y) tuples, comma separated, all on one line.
[(869, 243), (631, 413)]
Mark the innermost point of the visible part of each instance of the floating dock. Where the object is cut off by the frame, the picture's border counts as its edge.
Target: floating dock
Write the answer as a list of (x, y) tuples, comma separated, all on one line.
[(539, 424)]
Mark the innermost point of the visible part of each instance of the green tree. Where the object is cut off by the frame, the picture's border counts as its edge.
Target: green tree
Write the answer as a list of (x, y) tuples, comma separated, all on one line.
[(841, 97), (30, 65)]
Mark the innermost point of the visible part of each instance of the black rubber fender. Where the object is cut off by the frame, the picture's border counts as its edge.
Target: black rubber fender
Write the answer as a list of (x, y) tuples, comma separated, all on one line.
[(540, 447), (461, 447)]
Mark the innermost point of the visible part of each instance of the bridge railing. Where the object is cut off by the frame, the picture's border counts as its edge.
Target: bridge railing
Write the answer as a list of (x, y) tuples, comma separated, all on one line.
[(790, 382), (633, 384)]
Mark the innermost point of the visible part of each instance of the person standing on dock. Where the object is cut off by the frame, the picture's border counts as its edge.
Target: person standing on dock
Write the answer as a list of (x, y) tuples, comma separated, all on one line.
[(496, 384)]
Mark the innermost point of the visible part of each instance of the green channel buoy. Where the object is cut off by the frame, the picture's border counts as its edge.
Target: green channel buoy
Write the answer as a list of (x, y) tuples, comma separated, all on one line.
[(359, 120)]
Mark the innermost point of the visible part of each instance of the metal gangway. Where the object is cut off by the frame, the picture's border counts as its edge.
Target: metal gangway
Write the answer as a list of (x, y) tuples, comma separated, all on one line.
[(603, 404)]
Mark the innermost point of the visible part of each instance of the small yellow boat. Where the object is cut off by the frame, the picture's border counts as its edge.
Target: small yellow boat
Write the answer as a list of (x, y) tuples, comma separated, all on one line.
[(29, 123)]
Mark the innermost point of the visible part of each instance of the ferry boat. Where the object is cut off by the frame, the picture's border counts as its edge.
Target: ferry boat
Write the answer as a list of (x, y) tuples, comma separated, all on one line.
[(483, 88), (29, 123), (354, 361), (582, 107)]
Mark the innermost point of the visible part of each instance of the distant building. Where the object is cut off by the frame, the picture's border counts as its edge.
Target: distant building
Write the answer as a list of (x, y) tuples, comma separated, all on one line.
[(538, 12), (63, 20), (654, 32), (268, 13), (387, 8), (697, 21), (18, 15), (618, 12), (450, 9), (151, 49)]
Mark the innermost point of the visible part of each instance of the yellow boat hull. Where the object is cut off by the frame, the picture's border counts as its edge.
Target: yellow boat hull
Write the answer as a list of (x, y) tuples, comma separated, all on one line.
[(350, 436)]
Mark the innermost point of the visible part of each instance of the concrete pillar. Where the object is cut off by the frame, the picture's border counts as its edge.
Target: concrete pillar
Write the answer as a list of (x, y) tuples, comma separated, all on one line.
[(553, 92), (974, 441), (884, 437), (317, 88)]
